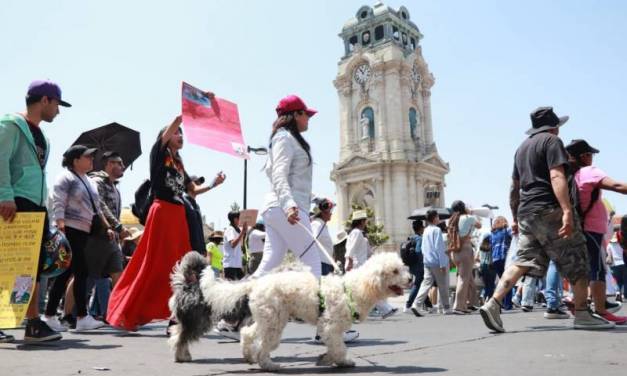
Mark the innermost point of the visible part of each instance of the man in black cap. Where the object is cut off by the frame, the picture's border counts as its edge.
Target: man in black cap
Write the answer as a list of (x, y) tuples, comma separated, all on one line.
[(23, 156), (591, 181), (544, 219), (104, 256)]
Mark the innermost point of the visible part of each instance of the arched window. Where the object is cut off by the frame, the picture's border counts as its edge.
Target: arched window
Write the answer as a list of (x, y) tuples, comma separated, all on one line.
[(379, 32), (366, 123), (414, 123), (365, 38)]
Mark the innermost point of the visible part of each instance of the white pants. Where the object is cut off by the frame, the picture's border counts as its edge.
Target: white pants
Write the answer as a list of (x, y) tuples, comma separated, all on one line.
[(281, 236)]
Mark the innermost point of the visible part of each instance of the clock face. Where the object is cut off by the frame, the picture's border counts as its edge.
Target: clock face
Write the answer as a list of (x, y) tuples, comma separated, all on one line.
[(362, 74), (415, 74)]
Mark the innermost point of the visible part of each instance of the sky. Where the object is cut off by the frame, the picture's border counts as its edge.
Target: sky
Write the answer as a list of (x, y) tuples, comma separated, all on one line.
[(494, 62)]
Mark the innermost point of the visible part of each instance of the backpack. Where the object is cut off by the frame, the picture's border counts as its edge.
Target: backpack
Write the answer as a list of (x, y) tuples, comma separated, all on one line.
[(454, 241), (144, 196), (408, 252)]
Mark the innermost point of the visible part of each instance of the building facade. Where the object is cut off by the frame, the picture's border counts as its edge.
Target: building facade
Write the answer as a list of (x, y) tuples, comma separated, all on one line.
[(388, 158)]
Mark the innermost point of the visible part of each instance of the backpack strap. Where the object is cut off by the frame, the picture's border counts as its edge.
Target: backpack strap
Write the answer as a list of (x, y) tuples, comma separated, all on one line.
[(594, 197)]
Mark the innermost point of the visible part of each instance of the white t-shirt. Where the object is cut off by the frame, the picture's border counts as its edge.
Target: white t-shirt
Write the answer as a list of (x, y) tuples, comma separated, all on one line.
[(617, 253), (324, 237), (232, 256), (356, 248), (256, 240), (466, 224)]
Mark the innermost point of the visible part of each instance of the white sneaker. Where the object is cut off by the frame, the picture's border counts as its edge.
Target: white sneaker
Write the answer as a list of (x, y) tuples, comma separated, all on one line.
[(389, 313), (227, 333), (350, 336), (88, 323), (408, 311), (54, 323)]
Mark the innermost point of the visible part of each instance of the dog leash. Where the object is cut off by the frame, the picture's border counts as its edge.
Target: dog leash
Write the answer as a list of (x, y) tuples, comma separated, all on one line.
[(324, 251)]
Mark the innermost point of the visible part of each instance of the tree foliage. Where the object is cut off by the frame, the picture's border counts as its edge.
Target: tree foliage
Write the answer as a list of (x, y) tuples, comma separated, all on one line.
[(375, 233)]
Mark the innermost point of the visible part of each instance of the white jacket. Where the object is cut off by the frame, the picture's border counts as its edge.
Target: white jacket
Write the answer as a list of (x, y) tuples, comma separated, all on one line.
[(290, 174)]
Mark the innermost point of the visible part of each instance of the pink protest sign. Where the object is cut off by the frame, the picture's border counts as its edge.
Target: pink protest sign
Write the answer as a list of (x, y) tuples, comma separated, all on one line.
[(213, 124)]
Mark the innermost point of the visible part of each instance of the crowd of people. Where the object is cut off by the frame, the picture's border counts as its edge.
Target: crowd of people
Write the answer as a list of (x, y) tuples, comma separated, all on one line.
[(561, 231)]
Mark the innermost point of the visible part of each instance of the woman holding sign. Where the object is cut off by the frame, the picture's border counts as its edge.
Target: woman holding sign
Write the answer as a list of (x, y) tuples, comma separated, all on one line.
[(141, 295), (289, 168)]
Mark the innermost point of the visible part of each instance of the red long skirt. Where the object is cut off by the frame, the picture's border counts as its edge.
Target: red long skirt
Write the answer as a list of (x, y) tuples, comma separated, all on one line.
[(142, 292)]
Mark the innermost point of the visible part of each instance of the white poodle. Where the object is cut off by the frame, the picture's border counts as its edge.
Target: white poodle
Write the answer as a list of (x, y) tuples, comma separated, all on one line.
[(331, 304)]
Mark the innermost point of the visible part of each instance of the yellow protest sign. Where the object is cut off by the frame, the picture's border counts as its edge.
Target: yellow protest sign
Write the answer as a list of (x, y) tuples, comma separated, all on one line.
[(20, 242)]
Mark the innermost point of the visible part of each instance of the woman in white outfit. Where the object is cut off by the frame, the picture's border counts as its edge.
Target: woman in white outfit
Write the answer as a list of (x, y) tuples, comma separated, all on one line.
[(322, 210), (289, 168), (357, 254)]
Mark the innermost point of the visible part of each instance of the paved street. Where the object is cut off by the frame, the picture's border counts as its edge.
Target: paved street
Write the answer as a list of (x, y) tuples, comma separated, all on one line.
[(402, 344)]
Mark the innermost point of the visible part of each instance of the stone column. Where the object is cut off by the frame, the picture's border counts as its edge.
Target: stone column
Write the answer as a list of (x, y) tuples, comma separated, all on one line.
[(392, 101), (379, 200), (387, 197), (428, 131), (400, 197), (342, 201), (346, 140), (413, 198), (420, 192)]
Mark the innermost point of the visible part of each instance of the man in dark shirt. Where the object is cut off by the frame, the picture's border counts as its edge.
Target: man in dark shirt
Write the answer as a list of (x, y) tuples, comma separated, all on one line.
[(544, 219), (27, 188)]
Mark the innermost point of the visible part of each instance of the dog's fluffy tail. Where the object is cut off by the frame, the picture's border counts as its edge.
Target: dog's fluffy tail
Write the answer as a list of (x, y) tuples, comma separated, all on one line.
[(187, 304)]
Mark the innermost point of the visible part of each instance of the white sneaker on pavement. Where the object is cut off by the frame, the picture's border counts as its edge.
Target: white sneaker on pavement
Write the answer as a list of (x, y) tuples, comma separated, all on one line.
[(389, 313), (54, 323), (587, 320), (88, 323), (349, 336)]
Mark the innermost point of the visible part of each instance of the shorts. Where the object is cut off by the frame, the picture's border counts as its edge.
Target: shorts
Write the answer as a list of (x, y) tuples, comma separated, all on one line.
[(25, 205), (103, 257), (233, 274), (539, 243), (594, 243)]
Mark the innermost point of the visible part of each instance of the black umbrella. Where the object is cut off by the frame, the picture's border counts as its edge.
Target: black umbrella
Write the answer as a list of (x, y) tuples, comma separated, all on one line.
[(421, 213), (112, 137)]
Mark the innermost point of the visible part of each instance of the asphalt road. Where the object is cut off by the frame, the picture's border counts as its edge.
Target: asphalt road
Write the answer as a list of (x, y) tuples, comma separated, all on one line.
[(401, 344)]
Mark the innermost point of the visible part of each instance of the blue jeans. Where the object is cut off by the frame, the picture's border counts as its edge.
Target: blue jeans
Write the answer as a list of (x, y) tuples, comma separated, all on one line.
[(553, 291), (418, 271), (102, 291), (499, 268), (530, 286), (488, 275)]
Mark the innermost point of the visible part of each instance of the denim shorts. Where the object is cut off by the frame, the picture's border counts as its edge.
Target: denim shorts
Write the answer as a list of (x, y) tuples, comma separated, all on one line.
[(539, 243)]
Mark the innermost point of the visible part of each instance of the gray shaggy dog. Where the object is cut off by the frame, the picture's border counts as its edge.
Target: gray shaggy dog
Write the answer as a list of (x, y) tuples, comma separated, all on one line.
[(331, 304), (196, 314)]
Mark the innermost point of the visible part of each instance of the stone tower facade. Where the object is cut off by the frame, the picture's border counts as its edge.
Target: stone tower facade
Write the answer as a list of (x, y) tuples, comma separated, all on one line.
[(388, 159)]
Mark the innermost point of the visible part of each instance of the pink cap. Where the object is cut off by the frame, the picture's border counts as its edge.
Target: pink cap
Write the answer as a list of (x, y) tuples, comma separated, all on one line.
[(293, 103)]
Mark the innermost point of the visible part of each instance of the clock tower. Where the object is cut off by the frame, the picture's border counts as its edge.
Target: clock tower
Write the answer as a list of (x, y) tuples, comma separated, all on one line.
[(388, 158)]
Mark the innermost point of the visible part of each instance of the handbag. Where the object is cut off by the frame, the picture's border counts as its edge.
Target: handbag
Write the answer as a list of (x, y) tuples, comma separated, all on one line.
[(98, 226)]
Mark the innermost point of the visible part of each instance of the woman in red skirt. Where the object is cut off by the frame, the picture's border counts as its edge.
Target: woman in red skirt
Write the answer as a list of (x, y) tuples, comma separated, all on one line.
[(141, 295)]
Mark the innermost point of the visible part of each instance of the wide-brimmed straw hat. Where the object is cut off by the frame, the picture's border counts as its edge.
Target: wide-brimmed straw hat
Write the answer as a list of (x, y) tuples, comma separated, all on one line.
[(340, 237)]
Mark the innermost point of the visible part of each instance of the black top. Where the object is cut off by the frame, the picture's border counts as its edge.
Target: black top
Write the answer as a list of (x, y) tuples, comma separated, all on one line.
[(532, 164), (40, 143), (167, 176)]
